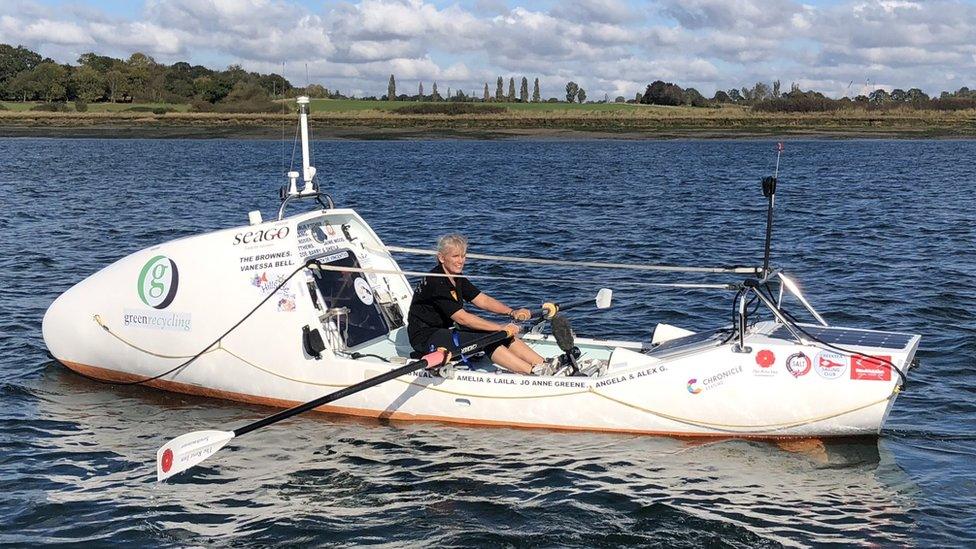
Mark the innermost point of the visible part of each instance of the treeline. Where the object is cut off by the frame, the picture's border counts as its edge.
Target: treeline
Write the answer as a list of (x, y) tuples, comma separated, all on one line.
[(27, 76), (459, 96), (768, 98)]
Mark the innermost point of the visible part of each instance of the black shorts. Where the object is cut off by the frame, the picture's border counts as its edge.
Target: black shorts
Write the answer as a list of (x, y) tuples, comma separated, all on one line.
[(455, 340)]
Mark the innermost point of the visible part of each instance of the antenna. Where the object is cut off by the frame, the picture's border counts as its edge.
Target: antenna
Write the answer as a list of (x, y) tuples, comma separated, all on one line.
[(769, 191)]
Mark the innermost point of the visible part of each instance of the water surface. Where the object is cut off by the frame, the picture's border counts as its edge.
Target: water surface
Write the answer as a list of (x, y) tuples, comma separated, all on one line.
[(880, 234)]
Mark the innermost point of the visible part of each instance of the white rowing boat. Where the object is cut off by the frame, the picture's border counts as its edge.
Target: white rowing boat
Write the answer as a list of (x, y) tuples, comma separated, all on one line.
[(185, 316)]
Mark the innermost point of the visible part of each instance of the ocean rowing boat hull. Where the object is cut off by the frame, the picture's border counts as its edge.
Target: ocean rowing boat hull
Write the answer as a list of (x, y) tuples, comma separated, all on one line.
[(152, 310)]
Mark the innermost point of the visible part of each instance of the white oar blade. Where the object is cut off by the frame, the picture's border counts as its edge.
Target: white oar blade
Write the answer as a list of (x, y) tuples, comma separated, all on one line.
[(603, 298), (187, 450)]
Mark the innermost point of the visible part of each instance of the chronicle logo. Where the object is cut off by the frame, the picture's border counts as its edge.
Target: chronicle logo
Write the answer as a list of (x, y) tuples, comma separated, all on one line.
[(158, 282)]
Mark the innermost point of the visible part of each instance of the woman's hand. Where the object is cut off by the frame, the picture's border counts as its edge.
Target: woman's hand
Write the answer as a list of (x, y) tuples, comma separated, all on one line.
[(520, 315), (512, 329)]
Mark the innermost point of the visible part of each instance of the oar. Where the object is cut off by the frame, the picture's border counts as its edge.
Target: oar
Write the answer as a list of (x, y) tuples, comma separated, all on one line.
[(186, 451), (549, 310)]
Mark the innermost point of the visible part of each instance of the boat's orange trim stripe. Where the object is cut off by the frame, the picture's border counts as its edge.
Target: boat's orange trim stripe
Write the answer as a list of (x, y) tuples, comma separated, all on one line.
[(115, 376)]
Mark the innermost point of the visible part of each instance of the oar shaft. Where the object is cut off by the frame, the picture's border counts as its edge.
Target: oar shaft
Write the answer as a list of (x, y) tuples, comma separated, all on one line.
[(542, 312), (363, 385)]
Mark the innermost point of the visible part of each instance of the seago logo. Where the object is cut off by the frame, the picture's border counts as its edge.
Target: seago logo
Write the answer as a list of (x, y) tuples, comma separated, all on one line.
[(158, 282), (261, 235)]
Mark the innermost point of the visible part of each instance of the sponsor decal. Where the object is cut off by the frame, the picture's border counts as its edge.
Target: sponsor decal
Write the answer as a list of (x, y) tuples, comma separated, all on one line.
[(158, 281), (871, 368), (765, 360), (363, 290), (271, 260), (798, 364), (830, 365), (711, 382), (167, 460), (157, 320), (261, 235), (265, 285)]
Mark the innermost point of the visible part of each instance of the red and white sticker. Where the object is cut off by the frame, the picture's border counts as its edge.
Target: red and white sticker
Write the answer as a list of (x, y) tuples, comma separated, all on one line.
[(798, 364), (871, 368), (830, 365), (167, 460), (765, 359)]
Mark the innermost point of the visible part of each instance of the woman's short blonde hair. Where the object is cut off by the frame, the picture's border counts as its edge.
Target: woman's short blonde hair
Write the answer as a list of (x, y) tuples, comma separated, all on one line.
[(452, 240)]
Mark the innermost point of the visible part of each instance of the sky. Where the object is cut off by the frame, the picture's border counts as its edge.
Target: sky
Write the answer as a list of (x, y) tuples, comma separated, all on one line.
[(609, 47)]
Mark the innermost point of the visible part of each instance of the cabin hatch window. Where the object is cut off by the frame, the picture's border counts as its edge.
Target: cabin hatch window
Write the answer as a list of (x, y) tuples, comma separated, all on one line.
[(351, 291)]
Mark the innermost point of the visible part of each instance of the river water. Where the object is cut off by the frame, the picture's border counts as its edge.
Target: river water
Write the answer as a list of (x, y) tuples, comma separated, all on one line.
[(880, 234)]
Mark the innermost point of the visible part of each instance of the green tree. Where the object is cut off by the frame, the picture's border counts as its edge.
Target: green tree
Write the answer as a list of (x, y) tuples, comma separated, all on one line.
[(391, 90), (499, 90), (178, 82), (536, 97), (312, 90), (524, 90), (879, 97), (15, 61), (511, 90), (100, 63), (51, 81), (487, 97), (434, 96), (88, 84), (274, 84), (694, 98), (572, 88), (581, 95), (118, 83), (420, 92)]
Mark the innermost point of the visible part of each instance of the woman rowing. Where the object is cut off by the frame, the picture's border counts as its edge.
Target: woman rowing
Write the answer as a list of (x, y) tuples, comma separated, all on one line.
[(437, 316)]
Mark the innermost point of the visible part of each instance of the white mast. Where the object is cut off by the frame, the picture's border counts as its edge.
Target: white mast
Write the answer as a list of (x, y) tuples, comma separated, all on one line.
[(308, 172)]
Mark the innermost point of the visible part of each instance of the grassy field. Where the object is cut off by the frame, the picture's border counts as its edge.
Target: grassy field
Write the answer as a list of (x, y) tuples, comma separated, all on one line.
[(375, 119), (352, 105)]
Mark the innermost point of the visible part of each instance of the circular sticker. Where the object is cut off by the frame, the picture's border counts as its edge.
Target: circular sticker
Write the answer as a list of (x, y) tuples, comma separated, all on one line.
[(167, 461), (830, 365), (765, 358), (364, 291), (158, 281), (798, 364)]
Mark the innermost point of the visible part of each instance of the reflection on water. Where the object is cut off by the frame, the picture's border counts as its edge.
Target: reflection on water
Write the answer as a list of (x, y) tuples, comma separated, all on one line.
[(322, 478)]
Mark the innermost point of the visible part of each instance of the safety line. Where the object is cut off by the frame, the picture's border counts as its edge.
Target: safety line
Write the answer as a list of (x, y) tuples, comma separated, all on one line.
[(592, 264), (731, 428), (587, 282), (98, 320), (725, 427)]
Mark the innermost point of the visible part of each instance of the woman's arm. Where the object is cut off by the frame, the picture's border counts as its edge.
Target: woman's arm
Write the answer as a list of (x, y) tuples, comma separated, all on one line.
[(486, 302)]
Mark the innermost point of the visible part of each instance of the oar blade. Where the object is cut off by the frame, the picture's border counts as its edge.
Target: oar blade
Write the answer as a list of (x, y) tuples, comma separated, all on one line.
[(186, 451), (603, 298)]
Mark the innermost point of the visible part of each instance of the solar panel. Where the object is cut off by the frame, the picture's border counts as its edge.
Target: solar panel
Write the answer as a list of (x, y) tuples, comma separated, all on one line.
[(845, 336), (681, 343)]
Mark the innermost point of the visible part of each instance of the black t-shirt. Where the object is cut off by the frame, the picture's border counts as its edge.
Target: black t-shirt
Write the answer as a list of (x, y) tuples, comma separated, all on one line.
[(434, 301)]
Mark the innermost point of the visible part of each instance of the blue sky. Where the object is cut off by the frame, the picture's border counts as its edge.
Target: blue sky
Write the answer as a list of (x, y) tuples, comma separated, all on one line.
[(612, 47)]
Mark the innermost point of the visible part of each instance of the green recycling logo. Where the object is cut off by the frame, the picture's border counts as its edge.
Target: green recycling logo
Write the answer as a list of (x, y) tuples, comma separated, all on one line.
[(158, 282)]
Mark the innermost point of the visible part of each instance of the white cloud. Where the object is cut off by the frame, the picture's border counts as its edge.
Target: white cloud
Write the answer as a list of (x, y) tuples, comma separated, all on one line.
[(608, 46)]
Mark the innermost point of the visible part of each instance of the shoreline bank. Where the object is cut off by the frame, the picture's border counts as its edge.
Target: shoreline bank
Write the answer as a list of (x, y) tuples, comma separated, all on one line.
[(376, 125)]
